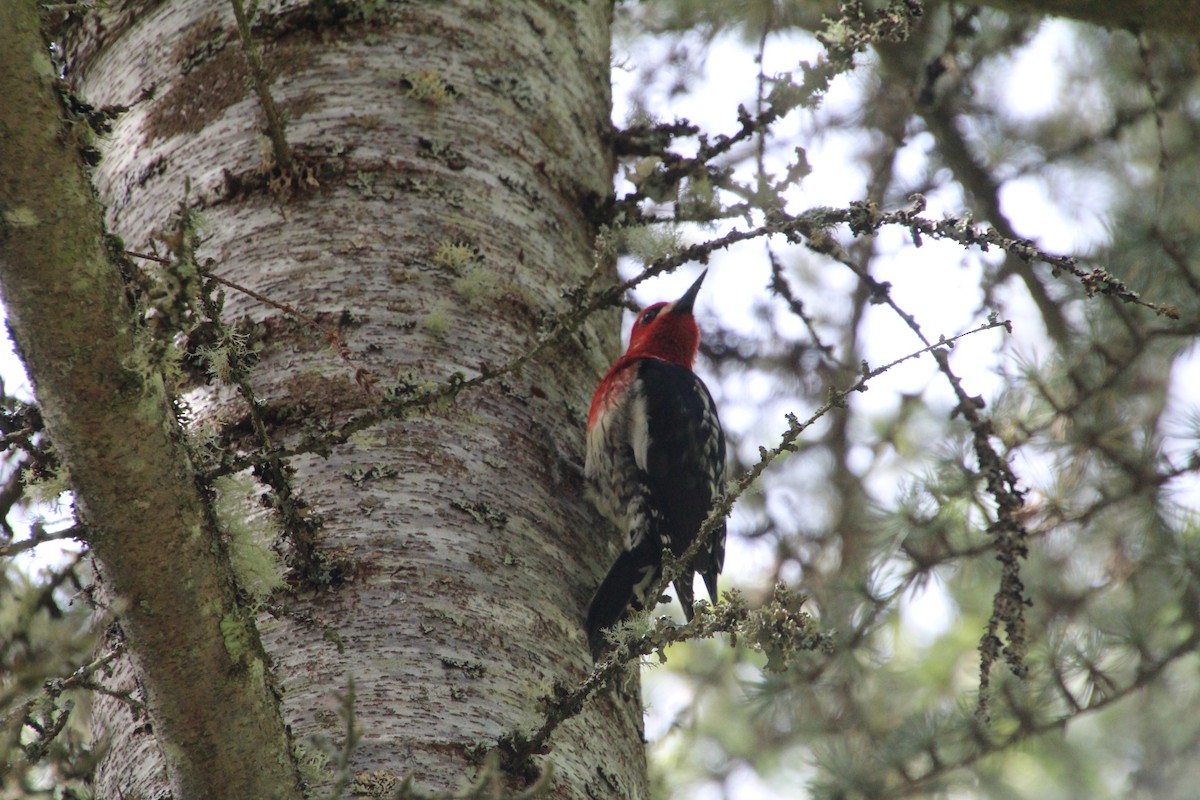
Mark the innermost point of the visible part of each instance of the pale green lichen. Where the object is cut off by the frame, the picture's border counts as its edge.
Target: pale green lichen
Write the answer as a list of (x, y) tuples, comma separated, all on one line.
[(652, 244), (203, 442), (377, 783), (258, 673), (698, 199), (313, 765), (437, 321), (475, 284), (478, 287), (21, 217), (371, 437), (248, 536), (171, 365)]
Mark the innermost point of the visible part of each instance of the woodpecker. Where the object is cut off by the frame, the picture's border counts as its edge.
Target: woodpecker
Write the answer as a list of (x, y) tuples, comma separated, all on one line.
[(655, 461)]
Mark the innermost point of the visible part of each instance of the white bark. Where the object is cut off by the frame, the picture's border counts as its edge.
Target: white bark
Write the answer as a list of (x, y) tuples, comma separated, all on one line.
[(471, 566)]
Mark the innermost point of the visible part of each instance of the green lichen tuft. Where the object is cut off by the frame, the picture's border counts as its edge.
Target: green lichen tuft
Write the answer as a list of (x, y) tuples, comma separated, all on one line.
[(456, 257), (170, 362), (313, 765), (377, 783), (651, 244), (223, 359), (44, 488), (427, 86), (237, 638)]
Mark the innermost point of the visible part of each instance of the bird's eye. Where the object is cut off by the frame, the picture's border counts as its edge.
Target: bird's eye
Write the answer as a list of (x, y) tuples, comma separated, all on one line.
[(650, 314)]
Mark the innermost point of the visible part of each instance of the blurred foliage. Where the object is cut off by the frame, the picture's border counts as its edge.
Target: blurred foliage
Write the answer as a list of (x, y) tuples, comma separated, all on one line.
[(45, 639), (882, 515), (45, 632)]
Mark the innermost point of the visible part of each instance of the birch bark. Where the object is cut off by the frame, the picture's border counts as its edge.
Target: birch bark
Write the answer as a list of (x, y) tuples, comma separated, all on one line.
[(449, 153)]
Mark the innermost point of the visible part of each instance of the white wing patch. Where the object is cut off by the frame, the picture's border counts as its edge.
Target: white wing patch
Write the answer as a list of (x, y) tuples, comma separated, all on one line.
[(596, 439), (639, 428)]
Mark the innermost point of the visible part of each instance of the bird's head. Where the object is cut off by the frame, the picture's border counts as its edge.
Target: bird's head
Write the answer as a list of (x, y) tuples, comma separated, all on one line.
[(668, 330)]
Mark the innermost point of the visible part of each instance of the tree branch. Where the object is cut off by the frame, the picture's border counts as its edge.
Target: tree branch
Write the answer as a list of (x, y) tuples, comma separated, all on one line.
[(261, 79), (106, 410)]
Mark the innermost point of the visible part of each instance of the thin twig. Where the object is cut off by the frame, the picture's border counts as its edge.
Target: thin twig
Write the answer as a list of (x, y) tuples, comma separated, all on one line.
[(780, 286), (261, 80), (808, 228), (362, 376), (39, 535)]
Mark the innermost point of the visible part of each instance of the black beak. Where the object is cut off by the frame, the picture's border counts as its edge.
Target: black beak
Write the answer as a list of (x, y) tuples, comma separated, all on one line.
[(684, 304)]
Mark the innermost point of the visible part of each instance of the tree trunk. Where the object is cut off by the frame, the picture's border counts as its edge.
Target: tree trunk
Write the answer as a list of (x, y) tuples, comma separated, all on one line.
[(432, 211)]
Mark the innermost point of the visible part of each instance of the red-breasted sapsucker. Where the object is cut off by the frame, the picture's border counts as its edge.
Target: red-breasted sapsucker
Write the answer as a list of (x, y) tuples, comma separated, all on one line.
[(655, 462)]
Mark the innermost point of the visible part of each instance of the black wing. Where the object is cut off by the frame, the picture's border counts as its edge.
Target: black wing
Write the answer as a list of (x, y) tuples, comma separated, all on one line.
[(685, 468)]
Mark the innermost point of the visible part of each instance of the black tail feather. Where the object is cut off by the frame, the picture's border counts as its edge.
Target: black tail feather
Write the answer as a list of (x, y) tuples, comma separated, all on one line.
[(626, 583), (615, 598), (686, 595), (710, 582)]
